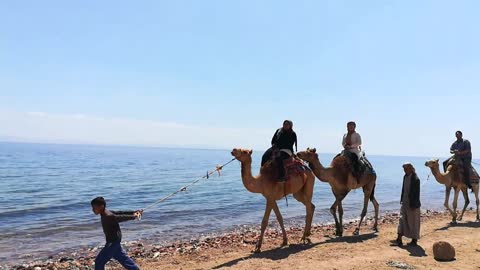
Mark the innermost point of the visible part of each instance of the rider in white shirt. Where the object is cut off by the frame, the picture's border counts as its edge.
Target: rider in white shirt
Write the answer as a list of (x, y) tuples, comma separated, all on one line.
[(352, 142)]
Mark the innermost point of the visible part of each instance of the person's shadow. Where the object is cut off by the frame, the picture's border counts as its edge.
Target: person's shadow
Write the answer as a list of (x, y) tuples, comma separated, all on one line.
[(415, 251)]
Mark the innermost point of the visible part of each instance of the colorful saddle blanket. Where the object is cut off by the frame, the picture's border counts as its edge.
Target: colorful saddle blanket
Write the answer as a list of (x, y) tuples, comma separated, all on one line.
[(458, 165), (294, 166)]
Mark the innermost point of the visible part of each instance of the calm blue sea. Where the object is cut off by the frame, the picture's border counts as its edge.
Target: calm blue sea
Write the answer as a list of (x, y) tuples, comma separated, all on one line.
[(45, 191)]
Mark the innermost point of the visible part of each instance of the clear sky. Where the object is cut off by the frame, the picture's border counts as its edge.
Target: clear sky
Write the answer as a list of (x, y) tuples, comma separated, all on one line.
[(227, 73)]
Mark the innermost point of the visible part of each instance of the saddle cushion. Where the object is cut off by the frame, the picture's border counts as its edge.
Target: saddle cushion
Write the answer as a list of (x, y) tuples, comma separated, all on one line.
[(294, 166), (365, 167), (457, 166)]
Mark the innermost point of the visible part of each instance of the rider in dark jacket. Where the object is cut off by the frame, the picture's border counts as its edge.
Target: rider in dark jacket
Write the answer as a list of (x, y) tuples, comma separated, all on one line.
[(282, 146)]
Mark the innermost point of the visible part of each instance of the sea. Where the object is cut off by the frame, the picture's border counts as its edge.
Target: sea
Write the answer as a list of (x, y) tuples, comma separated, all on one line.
[(46, 189)]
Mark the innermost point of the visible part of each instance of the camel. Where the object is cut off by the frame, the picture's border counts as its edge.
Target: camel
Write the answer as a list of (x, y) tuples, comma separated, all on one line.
[(450, 182), (301, 186), (342, 182)]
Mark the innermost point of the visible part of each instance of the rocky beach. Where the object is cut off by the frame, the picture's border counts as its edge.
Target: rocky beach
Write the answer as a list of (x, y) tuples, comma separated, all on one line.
[(233, 249)]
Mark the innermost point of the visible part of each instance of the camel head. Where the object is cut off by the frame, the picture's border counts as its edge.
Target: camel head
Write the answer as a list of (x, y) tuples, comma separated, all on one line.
[(432, 163), (242, 155), (308, 155)]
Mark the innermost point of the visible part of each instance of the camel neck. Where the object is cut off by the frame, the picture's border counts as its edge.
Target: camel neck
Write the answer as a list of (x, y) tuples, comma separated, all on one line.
[(251, 183), (322, 173), (439, 176)]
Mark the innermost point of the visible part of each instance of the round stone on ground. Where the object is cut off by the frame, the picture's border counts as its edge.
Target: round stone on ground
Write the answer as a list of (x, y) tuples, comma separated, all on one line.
[(443, 251)]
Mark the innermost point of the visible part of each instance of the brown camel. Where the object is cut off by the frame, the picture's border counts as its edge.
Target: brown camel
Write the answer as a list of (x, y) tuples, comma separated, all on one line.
[(450, 181), (301, 186), (341, 180)]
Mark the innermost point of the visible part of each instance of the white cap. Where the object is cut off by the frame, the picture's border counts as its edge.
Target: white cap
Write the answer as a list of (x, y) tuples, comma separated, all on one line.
[(405, 164)]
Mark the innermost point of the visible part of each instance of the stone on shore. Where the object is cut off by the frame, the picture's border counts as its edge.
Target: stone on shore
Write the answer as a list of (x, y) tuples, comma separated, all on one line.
[(443, 251)]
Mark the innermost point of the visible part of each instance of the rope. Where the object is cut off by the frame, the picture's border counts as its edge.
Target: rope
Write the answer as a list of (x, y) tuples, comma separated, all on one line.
[(184, 188), (428, 178)]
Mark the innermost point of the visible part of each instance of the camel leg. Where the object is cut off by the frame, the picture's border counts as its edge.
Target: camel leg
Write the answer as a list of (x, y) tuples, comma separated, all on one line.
[(306, 199), (266, 216), (333, 210), (309, 206), (467, 201), (477, 201), (340, 212), (367, 191), (280, 221), (455, 203), (340, 215), (446, 204), (376, 207)]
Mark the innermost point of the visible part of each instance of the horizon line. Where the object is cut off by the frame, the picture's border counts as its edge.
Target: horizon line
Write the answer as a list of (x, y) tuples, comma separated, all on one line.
[(183, 147)]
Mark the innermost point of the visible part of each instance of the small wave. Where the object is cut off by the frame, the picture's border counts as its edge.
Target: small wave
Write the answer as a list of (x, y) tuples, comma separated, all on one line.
[(48, 230), (11, 176), (47, 209)]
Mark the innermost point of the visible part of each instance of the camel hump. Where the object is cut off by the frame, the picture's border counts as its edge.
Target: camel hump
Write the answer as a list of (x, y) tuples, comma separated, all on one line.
[(456, 166), (475, 178), (293, 167), (350, 163)]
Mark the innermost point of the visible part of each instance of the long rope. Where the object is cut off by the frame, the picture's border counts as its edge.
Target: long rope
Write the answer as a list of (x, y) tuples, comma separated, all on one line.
[(184, 188), (428, 178)]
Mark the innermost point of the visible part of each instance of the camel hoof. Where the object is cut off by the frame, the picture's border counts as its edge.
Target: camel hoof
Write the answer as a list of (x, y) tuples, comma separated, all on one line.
[(460, 218), (284, 243), (375, 229), (356, 232), (454, 222), (256, 250)]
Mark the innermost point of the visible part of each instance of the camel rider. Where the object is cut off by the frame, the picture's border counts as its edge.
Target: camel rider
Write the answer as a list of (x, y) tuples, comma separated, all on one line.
[(352, 143), (282, 147), (463, 151)]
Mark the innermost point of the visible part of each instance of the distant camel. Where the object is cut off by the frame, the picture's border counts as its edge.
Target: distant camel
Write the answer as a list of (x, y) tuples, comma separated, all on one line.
[(451, 180), (300, 185)]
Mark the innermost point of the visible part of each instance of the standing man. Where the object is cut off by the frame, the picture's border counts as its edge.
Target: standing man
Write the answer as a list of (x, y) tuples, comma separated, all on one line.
[(352, 142), (282, 147), (463, 151), (409, 225)]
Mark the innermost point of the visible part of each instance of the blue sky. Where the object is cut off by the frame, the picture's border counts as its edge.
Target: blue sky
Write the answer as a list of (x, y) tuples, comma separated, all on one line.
[(226, 73)]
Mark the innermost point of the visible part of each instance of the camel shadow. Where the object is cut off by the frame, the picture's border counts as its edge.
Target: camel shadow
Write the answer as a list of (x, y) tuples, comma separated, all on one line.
[(272, 254), (352, 239), (469, 224), (285, 252)]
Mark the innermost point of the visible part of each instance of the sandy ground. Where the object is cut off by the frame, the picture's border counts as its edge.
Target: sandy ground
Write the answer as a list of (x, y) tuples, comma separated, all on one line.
[(369, 250)]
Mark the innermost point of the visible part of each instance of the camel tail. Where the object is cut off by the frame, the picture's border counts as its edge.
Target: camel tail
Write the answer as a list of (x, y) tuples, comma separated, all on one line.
[(373, 192)]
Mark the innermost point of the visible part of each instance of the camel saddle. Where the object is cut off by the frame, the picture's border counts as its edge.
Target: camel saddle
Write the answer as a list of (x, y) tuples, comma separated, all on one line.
[(364, 166), (457, 166), (294, 166)]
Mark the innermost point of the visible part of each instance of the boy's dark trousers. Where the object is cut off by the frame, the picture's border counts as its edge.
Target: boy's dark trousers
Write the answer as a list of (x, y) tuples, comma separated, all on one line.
[(114, 251)]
